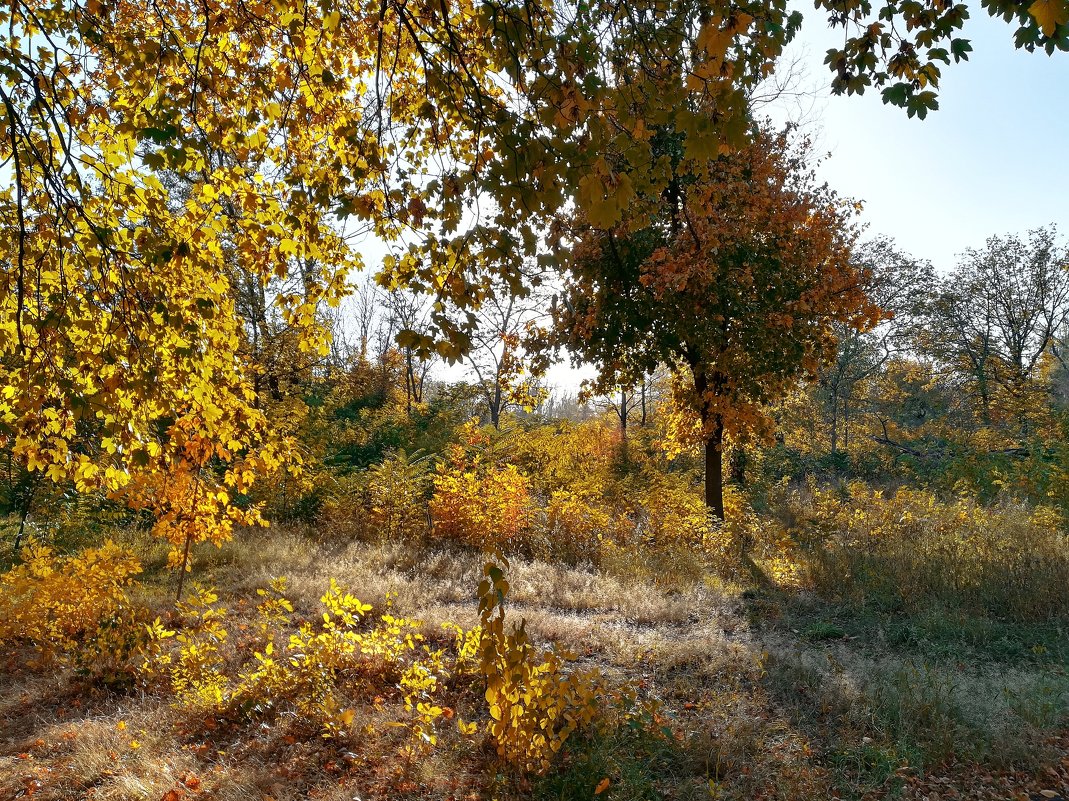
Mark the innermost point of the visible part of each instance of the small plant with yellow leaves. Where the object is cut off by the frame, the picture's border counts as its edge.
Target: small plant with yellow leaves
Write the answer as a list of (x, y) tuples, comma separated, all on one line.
[(196, 670), (535, 702)]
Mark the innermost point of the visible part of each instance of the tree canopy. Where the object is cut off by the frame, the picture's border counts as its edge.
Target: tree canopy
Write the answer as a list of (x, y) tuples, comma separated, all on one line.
[(738, 289)]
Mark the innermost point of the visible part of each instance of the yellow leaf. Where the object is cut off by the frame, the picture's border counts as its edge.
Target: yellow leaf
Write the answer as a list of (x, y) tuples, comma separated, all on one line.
[(1049, 14)]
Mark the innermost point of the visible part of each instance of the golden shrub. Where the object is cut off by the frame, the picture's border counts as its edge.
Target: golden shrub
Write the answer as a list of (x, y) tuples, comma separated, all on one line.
[(56, 601), (912, 549), (536, 702), (480, 506)]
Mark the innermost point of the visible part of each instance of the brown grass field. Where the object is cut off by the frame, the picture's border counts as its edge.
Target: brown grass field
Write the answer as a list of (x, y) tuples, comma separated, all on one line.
[(761, 692)]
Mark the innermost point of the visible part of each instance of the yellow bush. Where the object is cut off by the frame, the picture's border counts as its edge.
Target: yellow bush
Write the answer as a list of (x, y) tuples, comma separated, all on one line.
[(386, 502), (677, 515), (56, 601), (298, 669), (484, 507), (577, 525), (568, 455), (535, 702), (396, 493)]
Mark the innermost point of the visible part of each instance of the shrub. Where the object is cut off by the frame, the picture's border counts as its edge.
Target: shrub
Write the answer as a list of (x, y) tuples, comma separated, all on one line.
[(397, 495), (676, 514), (298, 669), (480, 506), (55, 602), (576, 526), (346, 504), (536, 701), (388, 501)]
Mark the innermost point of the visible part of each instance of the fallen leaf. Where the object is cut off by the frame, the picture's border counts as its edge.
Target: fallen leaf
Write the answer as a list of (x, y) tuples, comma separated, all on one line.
[(192, 781)]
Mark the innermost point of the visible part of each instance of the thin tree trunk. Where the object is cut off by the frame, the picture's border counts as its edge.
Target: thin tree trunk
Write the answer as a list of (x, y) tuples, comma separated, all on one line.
[(834, 423), (714, 469), (495, 407), (846, 424), (182, 569), (27, 504)]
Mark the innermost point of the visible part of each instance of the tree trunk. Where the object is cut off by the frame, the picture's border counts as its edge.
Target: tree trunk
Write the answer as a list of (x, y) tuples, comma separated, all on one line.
[(495, 409), (834, 423), (623, 425), (714, 469), (846, 424)]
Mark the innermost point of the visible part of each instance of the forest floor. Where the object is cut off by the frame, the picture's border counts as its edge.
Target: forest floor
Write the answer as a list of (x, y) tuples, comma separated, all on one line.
[(764, 693)]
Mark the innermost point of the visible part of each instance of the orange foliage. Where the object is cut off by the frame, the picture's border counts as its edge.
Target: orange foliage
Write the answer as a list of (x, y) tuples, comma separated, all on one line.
[(478, 504)]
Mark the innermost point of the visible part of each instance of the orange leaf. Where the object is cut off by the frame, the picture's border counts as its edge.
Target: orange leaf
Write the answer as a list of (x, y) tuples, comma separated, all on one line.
[(192, 781), (603, 785)]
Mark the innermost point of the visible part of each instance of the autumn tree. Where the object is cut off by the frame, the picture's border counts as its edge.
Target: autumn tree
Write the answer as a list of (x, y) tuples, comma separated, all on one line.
[(453, 130), (737, 289), (621, 402)]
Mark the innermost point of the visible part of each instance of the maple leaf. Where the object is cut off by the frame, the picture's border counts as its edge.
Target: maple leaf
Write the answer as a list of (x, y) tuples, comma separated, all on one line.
[(1049, 14)]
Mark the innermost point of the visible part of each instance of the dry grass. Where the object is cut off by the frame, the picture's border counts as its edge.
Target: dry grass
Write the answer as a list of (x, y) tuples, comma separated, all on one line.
[(754, 710)]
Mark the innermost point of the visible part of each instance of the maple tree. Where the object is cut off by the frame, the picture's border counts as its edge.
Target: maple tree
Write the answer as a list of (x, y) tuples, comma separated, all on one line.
[(738, 288)]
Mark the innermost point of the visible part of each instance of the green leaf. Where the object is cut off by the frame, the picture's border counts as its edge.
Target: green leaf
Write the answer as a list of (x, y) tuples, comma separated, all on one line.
[(896, 95), (961, 49)]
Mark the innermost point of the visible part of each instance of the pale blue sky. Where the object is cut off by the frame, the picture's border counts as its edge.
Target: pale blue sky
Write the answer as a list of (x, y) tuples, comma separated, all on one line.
[(993, 159)]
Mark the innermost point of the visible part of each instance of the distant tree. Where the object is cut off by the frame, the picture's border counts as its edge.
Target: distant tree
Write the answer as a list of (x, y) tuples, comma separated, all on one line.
[(497, 356), (996, 315), (407, 314), (901, 287), (622, 402)]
